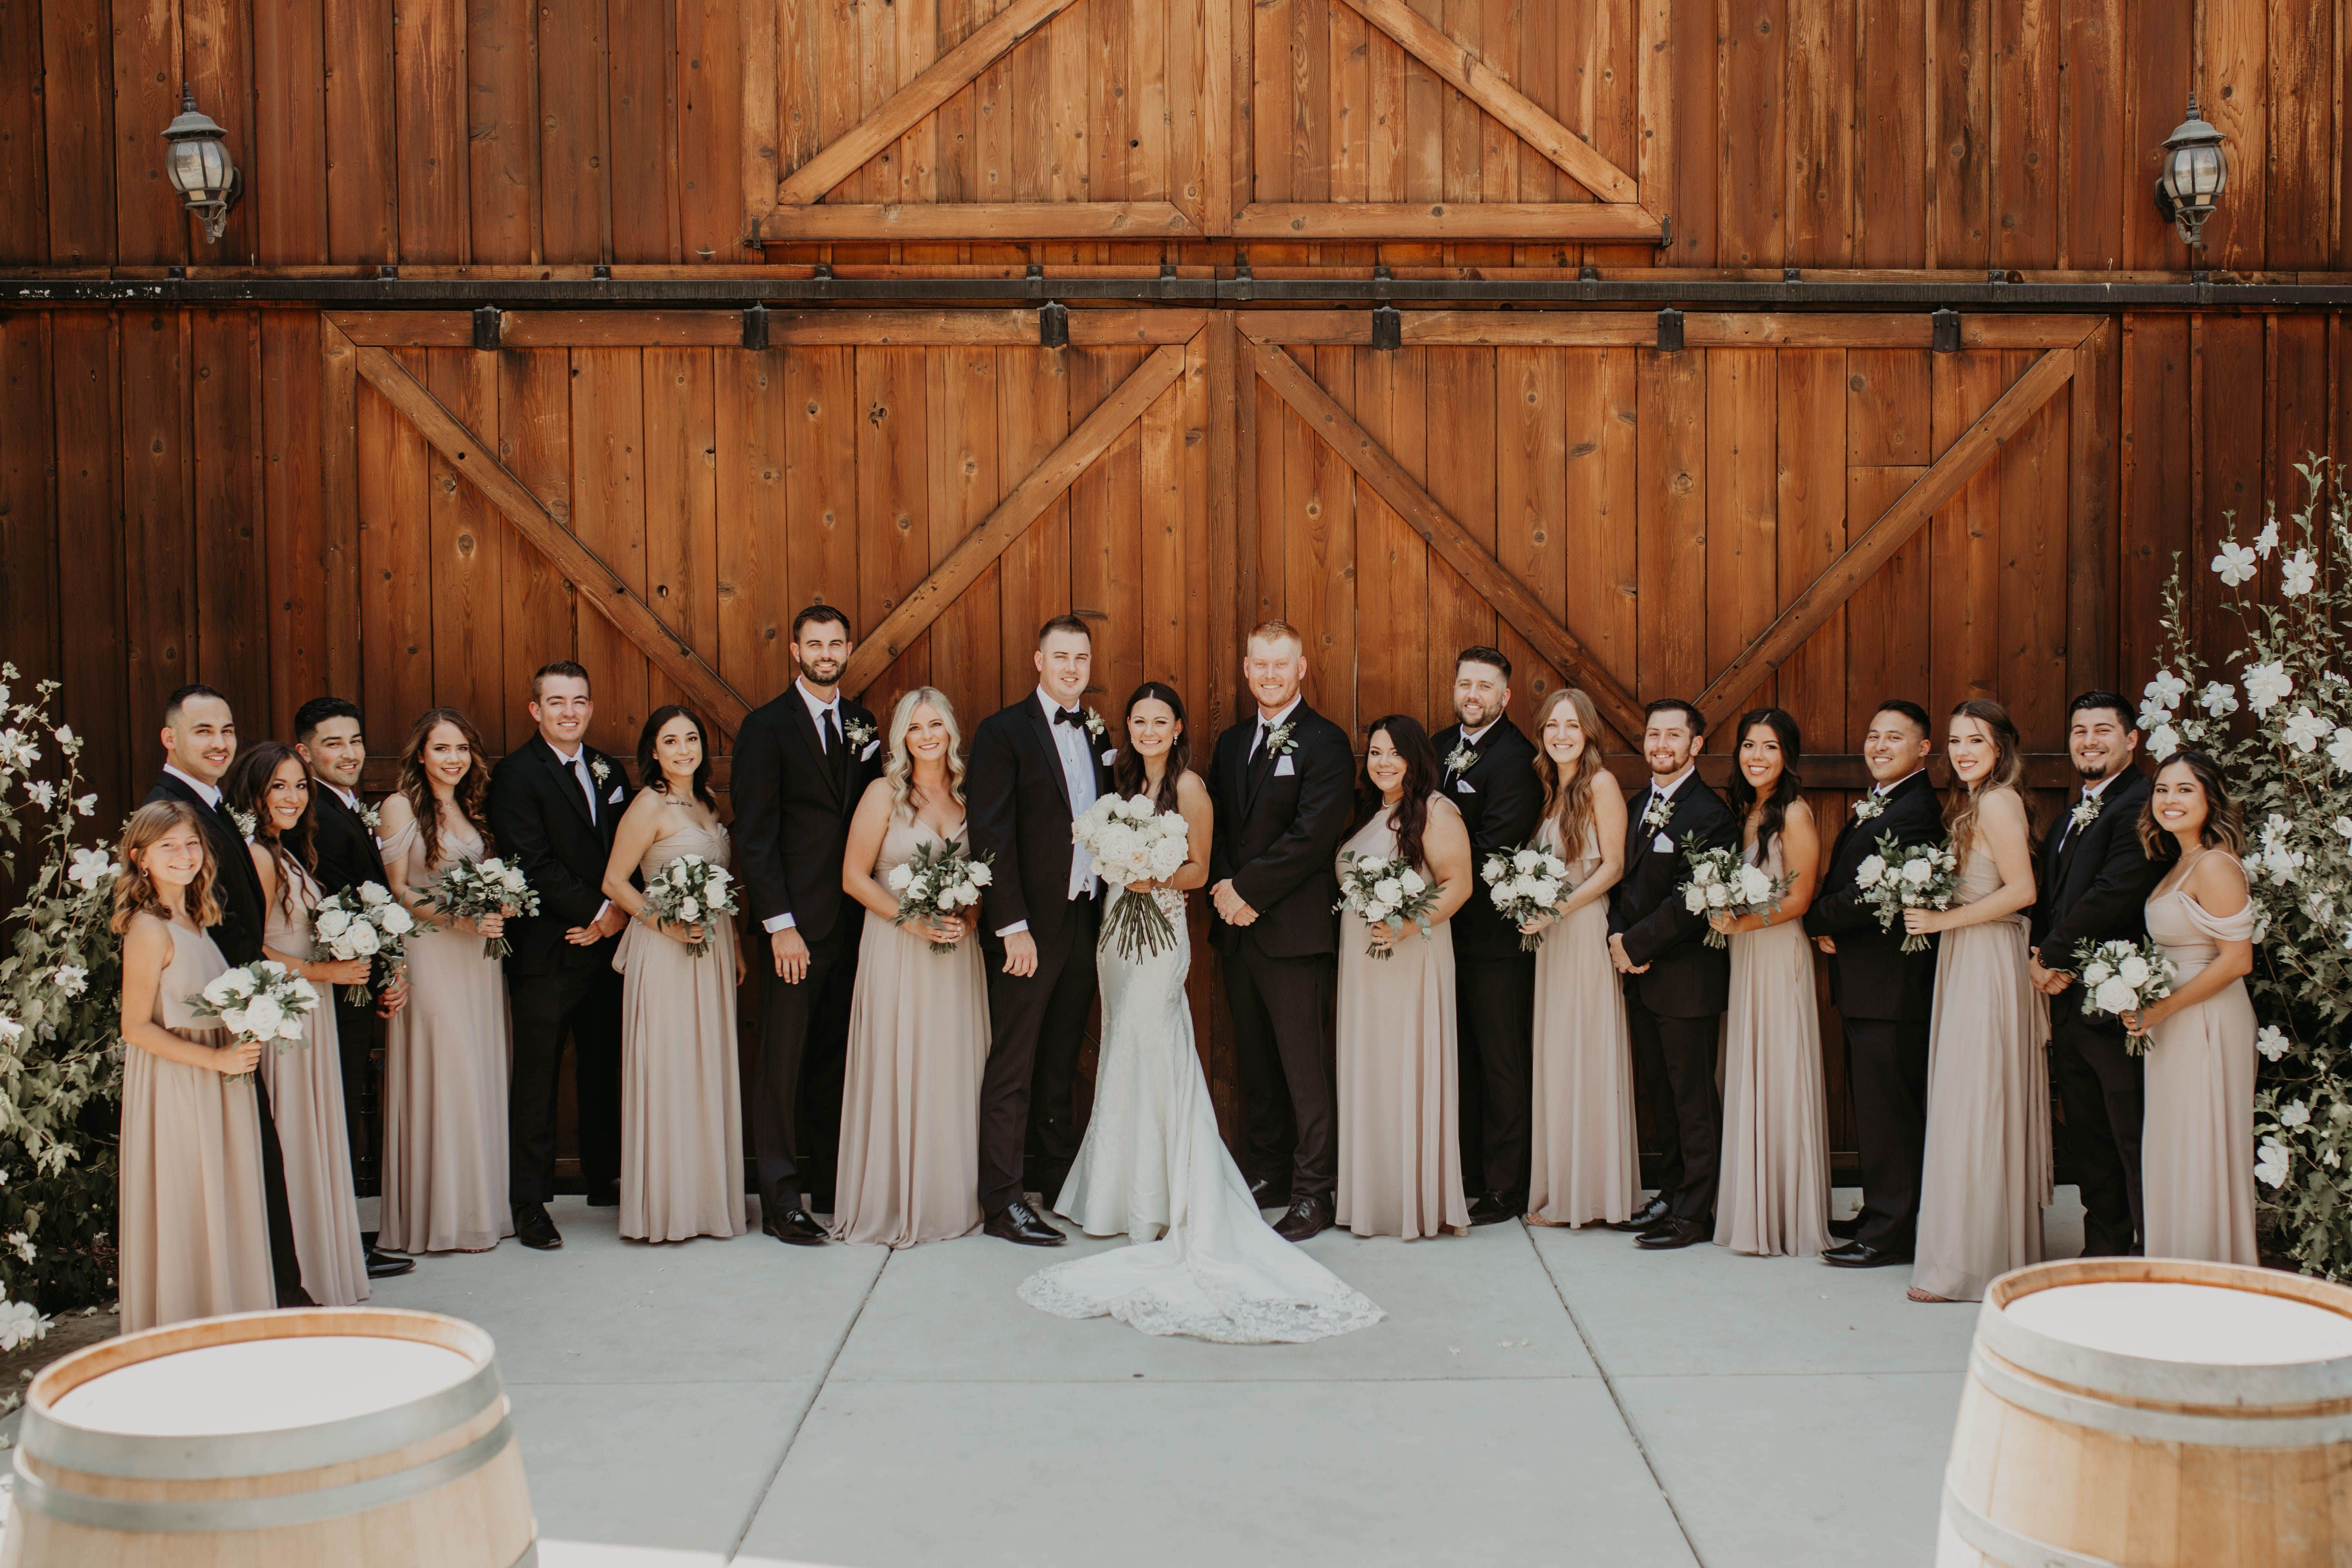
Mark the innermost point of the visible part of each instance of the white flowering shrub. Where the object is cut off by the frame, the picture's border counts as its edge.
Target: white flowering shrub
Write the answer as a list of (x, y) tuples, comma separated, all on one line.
[(2282, 731)]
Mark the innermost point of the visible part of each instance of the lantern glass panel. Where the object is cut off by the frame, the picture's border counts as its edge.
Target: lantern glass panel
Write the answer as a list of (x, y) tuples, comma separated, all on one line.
[(187, 167)]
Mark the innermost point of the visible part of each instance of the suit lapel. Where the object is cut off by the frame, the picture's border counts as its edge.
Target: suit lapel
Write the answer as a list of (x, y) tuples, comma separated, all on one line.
[(1043, 728), (1264, 768), (797, 719), (566, 779)]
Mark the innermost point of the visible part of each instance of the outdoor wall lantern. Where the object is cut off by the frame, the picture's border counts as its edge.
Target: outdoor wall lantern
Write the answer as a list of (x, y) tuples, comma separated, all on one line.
[(2195, 172), (200, 167)]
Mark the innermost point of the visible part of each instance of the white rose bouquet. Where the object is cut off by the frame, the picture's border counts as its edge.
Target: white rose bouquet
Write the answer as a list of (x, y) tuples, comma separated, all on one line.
[(2121, 977), (942, 883), (1924, 877), (1129, 840), (261, 1002), (1385, 890), (691, 890), (366, 921), (1723, 883), (1525, 884), (472, 889)]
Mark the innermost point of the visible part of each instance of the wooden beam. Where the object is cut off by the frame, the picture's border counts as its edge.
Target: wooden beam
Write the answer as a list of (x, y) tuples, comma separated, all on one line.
[(599, 587), (1593, 221), (1429, 44), (1027, 500), (1511, 598), (1978, 446), (339, 489), (1540, 328), (980, 221)]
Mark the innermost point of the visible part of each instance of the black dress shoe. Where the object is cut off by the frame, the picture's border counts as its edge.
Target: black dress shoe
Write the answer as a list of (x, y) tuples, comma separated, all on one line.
[(1648, 1214), (1679, 1233), (384, 1266), (1490, 1208), (534, 1229), (1017, 1222), (1846, 1229), (1861, 1255), (795, 1228), (605, 1194), (1307, 1217)]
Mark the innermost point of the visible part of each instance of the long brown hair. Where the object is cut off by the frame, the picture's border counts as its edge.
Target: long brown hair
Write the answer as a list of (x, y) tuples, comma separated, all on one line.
[(2225, 819), (2007, 773), (471, 795), (1568, 801), (246, 787), (1420, 776), (135, 891), (1127, 773)]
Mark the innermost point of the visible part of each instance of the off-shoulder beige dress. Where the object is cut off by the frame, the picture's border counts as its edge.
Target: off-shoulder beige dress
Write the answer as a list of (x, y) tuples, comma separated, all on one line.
[(2197, 1135)]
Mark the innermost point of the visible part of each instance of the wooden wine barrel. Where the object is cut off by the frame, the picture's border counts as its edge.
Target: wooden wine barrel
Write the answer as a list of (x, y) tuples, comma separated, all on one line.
[(2151, 1413), (367, 1439)]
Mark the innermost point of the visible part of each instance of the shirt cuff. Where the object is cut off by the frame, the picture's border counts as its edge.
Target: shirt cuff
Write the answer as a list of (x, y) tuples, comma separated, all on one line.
[(1016, 925), (775, 923), (602, 910)]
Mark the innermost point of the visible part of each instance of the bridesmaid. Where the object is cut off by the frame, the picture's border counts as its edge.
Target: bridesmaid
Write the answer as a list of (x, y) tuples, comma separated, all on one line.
[(1587, 1165), (191, 1229), (681, 1113), (1400, 1117), (918, 1019), (445, 1063), (270, 783), (2196, 1162), (1775, 1157), (1987, 1176)]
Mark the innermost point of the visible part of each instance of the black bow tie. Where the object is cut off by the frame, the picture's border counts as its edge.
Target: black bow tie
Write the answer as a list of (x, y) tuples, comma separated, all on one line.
[(1075, 718)]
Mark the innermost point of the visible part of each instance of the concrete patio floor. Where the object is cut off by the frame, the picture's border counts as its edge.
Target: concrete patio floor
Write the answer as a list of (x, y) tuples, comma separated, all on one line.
[(1534, 1395)]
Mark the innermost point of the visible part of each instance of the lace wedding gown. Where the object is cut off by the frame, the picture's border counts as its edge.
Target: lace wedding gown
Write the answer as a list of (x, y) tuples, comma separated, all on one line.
[(1203, 1262)]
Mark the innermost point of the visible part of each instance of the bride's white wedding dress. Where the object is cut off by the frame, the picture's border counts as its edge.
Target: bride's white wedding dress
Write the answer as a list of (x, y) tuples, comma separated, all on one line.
[(1152, 1168)]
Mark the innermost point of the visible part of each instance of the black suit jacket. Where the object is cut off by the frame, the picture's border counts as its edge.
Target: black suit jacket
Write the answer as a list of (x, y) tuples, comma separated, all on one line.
[(1686, 978), (1017, 801), (1500, 807), (346, 848), (793, 807), (1870, 974), (1278, 834), (236, 884), (2094, 885), (539, 815)]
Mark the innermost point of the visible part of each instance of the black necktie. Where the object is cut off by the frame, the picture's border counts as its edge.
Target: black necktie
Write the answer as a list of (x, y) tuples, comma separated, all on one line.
[(833, 732)]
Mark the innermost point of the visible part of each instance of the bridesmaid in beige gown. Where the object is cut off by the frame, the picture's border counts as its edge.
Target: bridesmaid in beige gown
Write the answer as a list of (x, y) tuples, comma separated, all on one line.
[(917, 1019), (681, 1111), (1775, 1195), (1987, 1175), (445, 1065), (192, 1234), (1399, 1114), (1587, 1165), (2196, 1149), (272, 783)]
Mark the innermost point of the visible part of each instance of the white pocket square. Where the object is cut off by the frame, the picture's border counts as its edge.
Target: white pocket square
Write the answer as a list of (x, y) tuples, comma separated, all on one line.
[(1663, 845), (614, 798), (1462, 786), (1110, 756), (1281, 768), (868, 754)]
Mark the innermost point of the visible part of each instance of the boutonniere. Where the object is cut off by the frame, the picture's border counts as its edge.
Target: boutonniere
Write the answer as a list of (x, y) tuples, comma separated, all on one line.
[(1462, 758), (1660, 812), (368, 816), (2085, 812), (245, 823), (1868, 807), (859, 733), (1277, 739), (598, 770), (1095, 725)]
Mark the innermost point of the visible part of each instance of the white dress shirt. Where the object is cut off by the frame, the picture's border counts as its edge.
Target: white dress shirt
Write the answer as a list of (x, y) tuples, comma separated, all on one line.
[(1076, 748), (209, 793), (817, 712)]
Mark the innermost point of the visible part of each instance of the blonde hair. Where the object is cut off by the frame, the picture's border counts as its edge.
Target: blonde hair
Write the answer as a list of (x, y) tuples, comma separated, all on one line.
[(1277, 631), (2007, 773), (1569, 802), (898, 772), (135, 892)]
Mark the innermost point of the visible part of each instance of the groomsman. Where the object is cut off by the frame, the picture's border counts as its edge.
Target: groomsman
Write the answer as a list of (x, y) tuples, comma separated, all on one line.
[(554, 803), (327, 734), (199, 742), (1675, 985), (2095, 881), (1285, 787), (1884, 995), (1490, 774), (802, 765), (1035, 767)]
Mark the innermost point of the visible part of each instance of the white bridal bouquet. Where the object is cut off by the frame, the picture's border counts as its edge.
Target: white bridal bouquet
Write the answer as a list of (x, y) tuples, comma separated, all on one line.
[(691, 890), (939, 883), (366, 921), (263, 1002), (1130, 841), (1722, 883), (472, 889), (1924, 877), (1385, 890), (2121, 977), (1523, 884)]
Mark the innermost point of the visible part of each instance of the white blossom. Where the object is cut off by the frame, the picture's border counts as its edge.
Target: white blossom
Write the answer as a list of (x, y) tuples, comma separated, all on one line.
[(2219, 698), (2298, 574), (2303, 730), (71, 979), (2294, 1114), (2272, 1167), (2267, 685), (86, 805), (2267, 540), (2162, 741), (2272, 1042), (91, 868)]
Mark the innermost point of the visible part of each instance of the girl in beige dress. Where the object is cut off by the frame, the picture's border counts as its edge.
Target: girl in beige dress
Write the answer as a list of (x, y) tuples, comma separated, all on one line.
[(1775, 1192), (272, 782), (192, 1232), (1400, 1112), (1987, 1170), (445, 1067), (681, 1113), (917, 1019), (1587, 1163), (2197, 1143)]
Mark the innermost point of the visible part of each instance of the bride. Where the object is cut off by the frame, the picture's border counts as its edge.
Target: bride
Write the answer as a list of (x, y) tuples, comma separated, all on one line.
[(1203, 1262)]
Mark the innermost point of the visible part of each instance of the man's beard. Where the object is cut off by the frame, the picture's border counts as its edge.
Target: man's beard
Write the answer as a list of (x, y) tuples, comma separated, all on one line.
[(809, 669), (2092, 772)]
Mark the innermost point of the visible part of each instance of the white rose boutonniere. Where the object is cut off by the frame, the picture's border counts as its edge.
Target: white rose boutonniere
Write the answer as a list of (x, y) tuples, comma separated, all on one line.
[(1279, 740), (859, 733), (370, 818), (1095, 725), (1660, 812), (246, 824), (598, 770), (1868, 807), (1462, 758), (2085, 812)]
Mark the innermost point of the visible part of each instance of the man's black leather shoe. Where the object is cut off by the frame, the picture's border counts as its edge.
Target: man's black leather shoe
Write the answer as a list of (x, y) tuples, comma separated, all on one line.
[(604, 1195), (1643, 1218), (1308, 1216), (1493, 1209), (384, 1266), (795, 1228), (1017, 1222), (534, 1229), (1857, 1254), (1676, 1234)]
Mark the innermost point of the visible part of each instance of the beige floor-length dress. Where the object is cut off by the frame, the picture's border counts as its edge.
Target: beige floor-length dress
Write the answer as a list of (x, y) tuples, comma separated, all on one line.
[(192, 1227), (2197, 1141), (681, 1110), (306, 1100), (446, 1062), (1775, 1192), (1399, 1107), (909, 1167), (1987, 1170), (1587, 1162)]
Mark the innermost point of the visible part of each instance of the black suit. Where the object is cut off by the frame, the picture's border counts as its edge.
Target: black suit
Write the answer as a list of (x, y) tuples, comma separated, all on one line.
[(540, 818), (1675, 1011), (795, 792), (1495, 982), (1019, 804), (2095, 885), (348, 856), (1883, 997), (1280, 822)]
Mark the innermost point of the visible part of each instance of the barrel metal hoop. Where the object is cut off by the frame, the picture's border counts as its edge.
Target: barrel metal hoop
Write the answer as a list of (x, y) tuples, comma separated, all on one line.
[(2251, 1431), (2004, 1545), (193, 1515), (2172, 1383), (202, 1458)]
